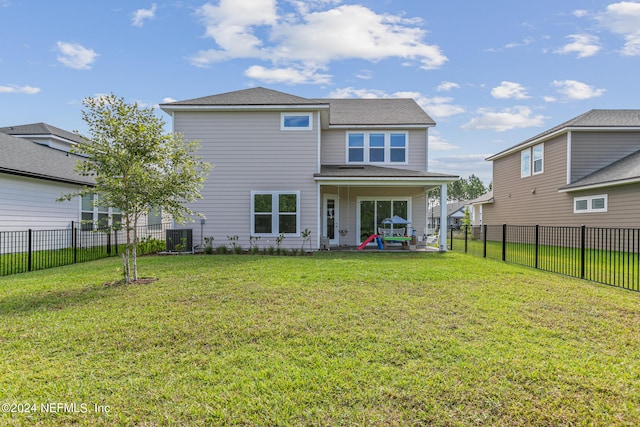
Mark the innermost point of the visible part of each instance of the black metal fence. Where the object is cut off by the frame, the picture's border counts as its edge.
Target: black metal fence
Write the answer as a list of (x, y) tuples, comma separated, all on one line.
[(30, 250), (605, 255)]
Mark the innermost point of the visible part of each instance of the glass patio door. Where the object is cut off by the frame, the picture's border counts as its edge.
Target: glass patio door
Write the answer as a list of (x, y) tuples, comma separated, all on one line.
[(373, 212)]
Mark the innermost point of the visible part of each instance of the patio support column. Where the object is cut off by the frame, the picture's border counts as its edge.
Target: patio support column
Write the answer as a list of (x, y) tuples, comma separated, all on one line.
[(444, 221)]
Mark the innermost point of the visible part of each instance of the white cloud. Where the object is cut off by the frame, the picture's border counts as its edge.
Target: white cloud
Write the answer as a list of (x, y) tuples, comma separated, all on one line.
[(510, 118), (623, 18), (438, 143), (464, 165), (509, 90), (75, 55), (28, 90), (365, 75), (141, 15), (286, 75), (575, 90), (437, 107), (311, 39), (584, 45), (580, 13), (447, 86), (168, 99)]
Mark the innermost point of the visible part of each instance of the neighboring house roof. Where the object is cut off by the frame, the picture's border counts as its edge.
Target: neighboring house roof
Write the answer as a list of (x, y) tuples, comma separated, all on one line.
[(484, 199), (591, 120), (452, 208), (257, 96), (342, 112), (623, 171), (27, 158), (41, 130), (377, 112)]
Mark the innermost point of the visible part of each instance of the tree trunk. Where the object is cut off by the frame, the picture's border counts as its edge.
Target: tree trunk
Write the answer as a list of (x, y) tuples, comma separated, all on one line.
[(135, 248), (127, 269)]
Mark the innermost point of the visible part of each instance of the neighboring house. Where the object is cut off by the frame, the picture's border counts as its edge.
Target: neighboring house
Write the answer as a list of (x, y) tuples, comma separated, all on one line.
[(455, 215), (584, 171), (283, 164), (35, 169), (476, 207)]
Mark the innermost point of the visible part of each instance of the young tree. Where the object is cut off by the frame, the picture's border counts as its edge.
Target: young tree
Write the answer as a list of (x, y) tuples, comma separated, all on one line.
[(136, 166)]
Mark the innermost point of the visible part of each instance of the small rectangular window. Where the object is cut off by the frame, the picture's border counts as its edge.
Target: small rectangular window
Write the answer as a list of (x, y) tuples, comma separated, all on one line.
[(297, 121), (590, 204), (538, 155), (525, 163), (398, 147), (376, 147), (356, 147)]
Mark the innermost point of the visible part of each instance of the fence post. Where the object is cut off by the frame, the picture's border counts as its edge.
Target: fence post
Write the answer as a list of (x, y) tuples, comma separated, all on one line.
[(484, 241), (504, 242), (115, 238), (30, 252), (109, 243), (74, 242), (451, 238), (583, 237), (466, 233), (537, 245)]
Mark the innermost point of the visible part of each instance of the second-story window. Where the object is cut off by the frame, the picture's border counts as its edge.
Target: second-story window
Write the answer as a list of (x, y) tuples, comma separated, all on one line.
[(532, 161), (377, 147), (296, 121)]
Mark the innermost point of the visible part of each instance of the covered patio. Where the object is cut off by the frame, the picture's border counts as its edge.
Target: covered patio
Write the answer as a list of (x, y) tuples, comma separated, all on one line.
[(356, 199)]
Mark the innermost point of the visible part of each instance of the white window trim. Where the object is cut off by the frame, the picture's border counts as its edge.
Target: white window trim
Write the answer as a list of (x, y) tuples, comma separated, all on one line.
[(275, 213), (283, 127), (533, 160), (96, 211), (387, 147), (589, 200), (530, 151)]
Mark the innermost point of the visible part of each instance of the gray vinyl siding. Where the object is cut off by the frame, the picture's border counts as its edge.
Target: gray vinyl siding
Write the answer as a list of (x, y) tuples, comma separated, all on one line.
[(31, 203), (623, 203), (334, 148), (591, 151), (534, 199), (249, 152), (514, 202)]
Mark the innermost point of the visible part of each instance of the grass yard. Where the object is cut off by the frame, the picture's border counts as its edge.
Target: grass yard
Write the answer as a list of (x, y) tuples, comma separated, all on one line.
[(359, 339)]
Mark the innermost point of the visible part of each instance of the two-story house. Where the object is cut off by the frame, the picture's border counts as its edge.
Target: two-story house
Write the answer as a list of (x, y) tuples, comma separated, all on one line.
[(584, 171), (283, 164)]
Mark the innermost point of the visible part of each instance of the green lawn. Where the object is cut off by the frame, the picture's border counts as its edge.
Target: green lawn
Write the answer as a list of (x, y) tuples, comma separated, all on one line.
[(359, 339)]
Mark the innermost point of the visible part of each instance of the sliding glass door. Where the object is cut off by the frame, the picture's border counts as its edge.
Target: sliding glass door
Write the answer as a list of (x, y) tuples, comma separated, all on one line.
[(371, 213)]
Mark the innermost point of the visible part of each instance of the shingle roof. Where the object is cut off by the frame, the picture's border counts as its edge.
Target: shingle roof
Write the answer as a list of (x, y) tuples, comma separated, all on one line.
[(253, 96), (485, 198), (622, 171), (26, 158), (40, 129), (590, 119), (368, 171), (381, 111), (452, 208), (342, 112)]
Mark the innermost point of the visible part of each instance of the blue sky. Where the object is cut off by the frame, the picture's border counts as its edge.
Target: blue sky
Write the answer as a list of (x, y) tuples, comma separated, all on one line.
[(490, 73)]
